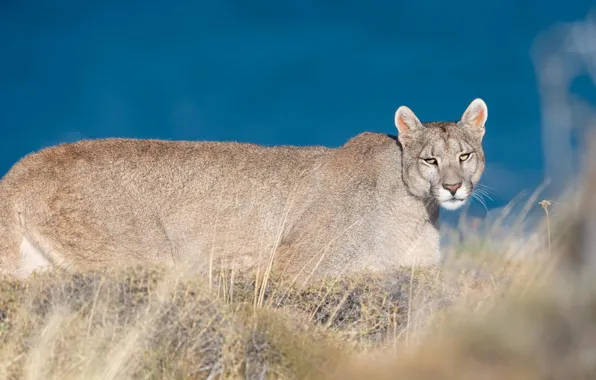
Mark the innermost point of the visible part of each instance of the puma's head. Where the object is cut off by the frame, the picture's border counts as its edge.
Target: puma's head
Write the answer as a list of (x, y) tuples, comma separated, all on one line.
[(443, 160)]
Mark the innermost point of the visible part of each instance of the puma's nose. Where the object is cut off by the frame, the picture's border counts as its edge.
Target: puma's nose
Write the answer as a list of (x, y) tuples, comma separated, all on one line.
[(452, 187)]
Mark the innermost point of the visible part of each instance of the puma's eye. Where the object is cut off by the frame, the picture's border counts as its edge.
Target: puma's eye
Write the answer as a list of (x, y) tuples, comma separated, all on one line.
[(431, 161), (464, 157)]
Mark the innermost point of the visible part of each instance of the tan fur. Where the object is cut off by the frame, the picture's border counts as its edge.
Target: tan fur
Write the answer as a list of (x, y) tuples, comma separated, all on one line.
[(116, 201)]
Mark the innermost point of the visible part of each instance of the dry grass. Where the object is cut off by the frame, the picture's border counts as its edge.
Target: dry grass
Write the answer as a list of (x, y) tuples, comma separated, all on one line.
[(146, 323)]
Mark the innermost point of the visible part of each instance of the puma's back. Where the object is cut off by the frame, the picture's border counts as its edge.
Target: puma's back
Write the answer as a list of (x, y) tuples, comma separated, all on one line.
[(109, 200), (310, 210)]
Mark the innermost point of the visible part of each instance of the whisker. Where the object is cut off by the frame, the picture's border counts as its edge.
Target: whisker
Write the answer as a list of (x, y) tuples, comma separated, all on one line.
[(479, 189), (480, 200), (483, 204), (484, 193), (480, 194)]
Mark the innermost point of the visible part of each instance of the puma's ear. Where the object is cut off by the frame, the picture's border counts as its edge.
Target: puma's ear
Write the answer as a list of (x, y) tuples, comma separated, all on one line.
[(475, 116), (406, 121)]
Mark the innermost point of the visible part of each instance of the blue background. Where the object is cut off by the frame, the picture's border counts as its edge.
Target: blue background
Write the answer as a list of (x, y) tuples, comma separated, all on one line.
[(275, 72)]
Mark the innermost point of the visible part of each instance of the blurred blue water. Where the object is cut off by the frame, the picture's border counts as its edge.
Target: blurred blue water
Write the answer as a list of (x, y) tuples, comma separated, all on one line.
[(273, 72)]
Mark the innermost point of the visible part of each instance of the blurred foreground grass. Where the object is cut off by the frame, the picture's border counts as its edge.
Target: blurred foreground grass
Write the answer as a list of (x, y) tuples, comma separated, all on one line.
[(146, 323)]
